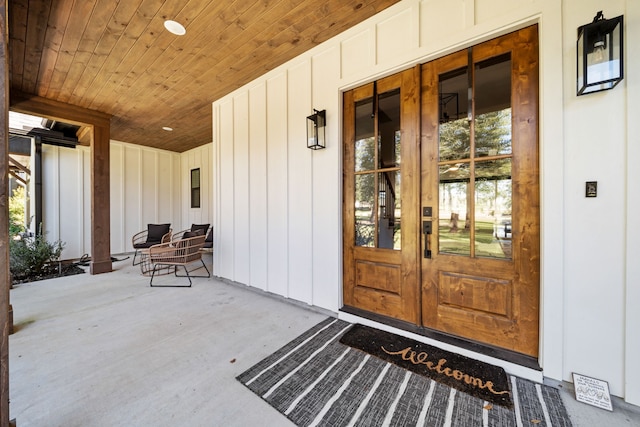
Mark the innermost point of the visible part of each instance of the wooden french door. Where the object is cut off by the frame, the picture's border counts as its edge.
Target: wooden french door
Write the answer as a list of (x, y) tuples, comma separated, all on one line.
[(381, 191), (480, 179), (442, 230)]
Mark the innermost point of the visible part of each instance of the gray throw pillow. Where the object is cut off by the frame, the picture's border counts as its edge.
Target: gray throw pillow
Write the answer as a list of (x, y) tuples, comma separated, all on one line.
[(156, 231)]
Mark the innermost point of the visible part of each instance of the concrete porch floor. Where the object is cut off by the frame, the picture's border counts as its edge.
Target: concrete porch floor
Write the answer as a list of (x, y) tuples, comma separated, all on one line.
[(108, 350)]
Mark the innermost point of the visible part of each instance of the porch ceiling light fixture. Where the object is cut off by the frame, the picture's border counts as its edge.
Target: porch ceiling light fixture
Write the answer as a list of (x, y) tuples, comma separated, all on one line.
[(316, 124), (175, 27), (600, 54)]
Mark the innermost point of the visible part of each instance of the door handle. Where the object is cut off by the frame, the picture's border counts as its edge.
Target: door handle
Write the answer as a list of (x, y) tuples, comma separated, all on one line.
[(427, 230)]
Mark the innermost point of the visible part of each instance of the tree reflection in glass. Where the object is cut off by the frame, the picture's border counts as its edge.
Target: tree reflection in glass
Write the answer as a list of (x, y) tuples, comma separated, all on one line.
[(475, 190), (493, 209), (365, 209)]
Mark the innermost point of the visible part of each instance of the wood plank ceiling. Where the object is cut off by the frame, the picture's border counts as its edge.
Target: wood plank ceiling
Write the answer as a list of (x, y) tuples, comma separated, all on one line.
[(115, 56)]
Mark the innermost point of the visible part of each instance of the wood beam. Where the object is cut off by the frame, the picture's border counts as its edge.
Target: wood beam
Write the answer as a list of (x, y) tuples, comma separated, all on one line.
[(5, 282), (72, 114), (84, 135), (19, 165), (17, 177)]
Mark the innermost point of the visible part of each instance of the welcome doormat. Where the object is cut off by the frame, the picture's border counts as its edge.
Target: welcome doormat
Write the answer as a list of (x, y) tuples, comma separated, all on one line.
[(485, 381), (317, 381)]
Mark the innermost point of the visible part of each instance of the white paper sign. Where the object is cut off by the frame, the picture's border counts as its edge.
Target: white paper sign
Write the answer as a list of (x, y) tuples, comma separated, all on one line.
[(592, 391)]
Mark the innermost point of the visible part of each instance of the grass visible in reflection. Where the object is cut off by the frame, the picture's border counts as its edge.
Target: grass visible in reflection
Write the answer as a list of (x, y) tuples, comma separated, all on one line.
[(487, 243)]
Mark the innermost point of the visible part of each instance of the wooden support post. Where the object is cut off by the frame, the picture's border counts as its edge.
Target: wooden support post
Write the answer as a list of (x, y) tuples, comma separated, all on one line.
[(4, 218), (100, 206)]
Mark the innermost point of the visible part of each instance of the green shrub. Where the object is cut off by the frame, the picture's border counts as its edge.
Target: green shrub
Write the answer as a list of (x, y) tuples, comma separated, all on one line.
[(33, 257), (16, 211)]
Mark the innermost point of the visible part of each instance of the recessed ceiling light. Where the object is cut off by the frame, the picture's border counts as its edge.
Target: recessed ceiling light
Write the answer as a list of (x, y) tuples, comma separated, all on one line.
[(175, 28), (167, 128)]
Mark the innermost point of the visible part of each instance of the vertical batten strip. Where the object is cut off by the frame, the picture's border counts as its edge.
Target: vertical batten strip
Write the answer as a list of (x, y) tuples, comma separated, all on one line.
[(53, 226), (156, 185), (140, 189), (632, 289), (300, 208), (312, 180), (241, 188), (215, 152), (469, 13), (123, 205), (80, 196)]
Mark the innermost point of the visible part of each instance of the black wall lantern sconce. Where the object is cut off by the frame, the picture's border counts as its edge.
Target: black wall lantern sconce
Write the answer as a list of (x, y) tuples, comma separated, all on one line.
[(316, 125), (600, 54)]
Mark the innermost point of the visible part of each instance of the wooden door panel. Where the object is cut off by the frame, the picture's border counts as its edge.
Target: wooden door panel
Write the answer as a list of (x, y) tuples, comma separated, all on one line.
[(478, 327), (384, 303), (490, 300), (477, 294), (381, 277)]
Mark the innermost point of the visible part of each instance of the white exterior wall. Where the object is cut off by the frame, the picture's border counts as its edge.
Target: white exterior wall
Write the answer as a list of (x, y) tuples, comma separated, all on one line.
[(201, 157), (595, 143), (145, 188), (278, 205), (66, 201), (631, 281)]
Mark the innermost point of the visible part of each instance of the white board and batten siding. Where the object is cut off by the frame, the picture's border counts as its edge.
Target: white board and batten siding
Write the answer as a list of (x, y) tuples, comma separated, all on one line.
[(274, 214), (146, 186), (66, 198), (632, 250), (277, 205)]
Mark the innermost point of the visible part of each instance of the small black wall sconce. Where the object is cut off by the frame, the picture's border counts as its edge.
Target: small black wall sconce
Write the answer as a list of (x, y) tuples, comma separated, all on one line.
[(316, 125), (600, 54)]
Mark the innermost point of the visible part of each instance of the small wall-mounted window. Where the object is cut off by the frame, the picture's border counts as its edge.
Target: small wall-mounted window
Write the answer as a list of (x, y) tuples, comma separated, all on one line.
[(195, 188)]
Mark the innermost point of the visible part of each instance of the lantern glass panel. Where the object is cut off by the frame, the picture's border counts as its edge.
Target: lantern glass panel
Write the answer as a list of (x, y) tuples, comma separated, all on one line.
[(599, 55), (322, 126)]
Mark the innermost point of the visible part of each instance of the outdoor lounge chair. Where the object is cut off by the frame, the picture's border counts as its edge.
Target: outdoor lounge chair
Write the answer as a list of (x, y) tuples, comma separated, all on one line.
[(154, 234), (180, 253)]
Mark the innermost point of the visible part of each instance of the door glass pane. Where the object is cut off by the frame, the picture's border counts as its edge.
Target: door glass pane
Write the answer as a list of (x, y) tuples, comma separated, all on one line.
[(389, 207), (493, 200), (453, 229), (493, 106), (389, 129), (365, 210), (377, 167), (453, 116), (364, 128)]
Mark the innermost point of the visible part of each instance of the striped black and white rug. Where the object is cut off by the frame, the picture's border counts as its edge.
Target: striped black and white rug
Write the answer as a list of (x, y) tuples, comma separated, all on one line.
[(317, 381)]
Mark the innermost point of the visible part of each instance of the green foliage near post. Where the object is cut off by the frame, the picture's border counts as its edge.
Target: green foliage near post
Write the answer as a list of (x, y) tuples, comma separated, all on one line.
[(16, 211), (33, 257)]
